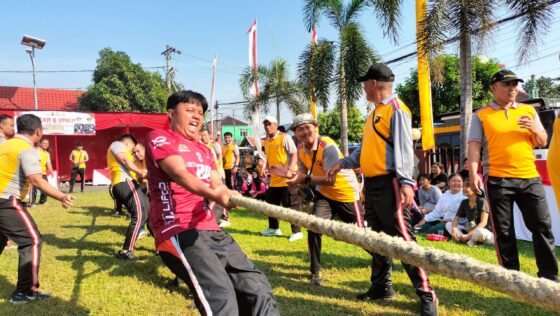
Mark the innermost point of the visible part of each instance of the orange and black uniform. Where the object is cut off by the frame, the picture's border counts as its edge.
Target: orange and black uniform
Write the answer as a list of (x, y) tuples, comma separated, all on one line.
[(511, 176), (553, 159), (45, 158), (19, 160), (342, 198), (144, 182), (79, 158), (278, 150), (387, 160), (229, 152)]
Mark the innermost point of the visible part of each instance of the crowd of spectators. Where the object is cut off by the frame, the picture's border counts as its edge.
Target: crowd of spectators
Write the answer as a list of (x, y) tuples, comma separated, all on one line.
[(447, 206)]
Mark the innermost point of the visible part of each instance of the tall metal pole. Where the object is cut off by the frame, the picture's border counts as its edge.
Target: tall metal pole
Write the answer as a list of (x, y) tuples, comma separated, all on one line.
[(32, 56), (234, 135), (169, 71), (218, 123)]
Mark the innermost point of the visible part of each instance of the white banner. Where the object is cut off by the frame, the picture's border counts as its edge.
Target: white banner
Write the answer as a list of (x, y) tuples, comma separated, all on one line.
[(65, 123)]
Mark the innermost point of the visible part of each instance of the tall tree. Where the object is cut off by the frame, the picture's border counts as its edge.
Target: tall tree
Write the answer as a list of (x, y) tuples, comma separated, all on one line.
[(122, 86), (330, 124), (275, 88), (337, 64), (471, 21), (446, 89)]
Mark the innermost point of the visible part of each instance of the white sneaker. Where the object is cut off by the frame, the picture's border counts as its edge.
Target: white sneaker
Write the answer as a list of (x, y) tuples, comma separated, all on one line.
[(296, 236), (224, 223), (272, 232), (141, 234)]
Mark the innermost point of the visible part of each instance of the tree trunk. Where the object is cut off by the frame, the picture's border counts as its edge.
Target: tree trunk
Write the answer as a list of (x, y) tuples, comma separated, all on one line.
[(343, 107), (466, 89), (278, 111)]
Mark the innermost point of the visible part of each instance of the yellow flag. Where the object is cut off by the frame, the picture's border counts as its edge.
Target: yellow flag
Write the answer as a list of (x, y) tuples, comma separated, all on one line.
[(424, 86)]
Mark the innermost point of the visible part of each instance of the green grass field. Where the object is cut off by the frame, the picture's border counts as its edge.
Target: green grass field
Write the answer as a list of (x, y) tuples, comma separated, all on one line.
[(79, 267)]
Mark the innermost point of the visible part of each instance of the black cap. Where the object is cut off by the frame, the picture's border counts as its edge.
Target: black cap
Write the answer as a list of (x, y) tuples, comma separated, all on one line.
[(378, 72), (505, 75)]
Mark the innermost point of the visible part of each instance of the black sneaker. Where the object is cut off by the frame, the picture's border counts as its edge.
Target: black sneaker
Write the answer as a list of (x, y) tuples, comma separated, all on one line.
[(316, 279), (126, 255), (20, 298), (429, 307), (377, 294)]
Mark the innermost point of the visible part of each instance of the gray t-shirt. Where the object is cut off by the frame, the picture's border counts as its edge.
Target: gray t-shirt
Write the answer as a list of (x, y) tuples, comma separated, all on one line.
[(429, 199)]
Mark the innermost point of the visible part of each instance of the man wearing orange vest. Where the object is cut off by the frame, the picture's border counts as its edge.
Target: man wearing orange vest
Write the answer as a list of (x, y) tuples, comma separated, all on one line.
[(78, 157), (20, 168), (280, 151), (46, 169), (386, 157), (507, 132), (316, 154), (219, 211)]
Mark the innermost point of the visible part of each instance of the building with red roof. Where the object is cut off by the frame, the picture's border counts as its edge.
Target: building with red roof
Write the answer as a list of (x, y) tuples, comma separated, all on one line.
[(21, 98)]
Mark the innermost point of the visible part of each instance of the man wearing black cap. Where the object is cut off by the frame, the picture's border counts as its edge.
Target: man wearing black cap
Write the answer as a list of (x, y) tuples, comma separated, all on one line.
[(507, 132), (387, 161)]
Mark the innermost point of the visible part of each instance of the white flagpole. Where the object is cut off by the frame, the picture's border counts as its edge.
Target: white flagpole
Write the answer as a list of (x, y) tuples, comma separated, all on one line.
[(254, 65), (212, 97)]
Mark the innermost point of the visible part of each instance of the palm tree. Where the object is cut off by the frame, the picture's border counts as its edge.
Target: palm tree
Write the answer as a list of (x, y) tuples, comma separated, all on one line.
[(274, 87), (473, 21), (338, 64)]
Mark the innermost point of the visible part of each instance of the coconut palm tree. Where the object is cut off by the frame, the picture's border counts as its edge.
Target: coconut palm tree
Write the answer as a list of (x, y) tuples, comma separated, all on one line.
[(472, 22), (274, 88), (338, 64)]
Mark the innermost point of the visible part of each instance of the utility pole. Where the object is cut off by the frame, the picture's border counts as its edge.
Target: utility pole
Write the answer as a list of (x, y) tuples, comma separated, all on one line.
[(234, 135), (218, 124), (169, 71)]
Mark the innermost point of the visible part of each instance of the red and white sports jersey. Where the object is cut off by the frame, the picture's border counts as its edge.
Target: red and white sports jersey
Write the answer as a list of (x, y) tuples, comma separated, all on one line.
[(173, 209)]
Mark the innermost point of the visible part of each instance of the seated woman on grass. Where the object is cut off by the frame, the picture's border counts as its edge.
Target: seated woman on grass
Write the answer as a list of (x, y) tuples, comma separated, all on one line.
[(445, 209), (477, 228), (258, 188)]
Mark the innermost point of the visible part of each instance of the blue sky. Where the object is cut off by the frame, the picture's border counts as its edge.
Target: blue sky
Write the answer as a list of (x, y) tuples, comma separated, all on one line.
[(75, 32)]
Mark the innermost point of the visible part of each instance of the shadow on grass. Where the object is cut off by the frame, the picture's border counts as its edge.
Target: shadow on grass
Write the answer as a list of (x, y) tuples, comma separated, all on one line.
[(119, 229), (231, 230), (328, 259), (470, 301), (51, 306), (95, 211), (245, 213), (144, 269)]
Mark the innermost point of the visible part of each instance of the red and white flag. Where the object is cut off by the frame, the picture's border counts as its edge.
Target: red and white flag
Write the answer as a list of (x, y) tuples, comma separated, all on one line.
[(256, 121), (212, 96), (314, 35), (253, 54)]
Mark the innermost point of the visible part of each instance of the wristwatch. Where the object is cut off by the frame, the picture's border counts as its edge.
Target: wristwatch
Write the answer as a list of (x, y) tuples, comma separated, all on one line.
[(307, 179)]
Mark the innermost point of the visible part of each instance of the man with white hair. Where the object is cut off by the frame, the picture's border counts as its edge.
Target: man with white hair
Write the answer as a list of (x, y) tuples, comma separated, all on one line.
[(280, 150), (339, 196)]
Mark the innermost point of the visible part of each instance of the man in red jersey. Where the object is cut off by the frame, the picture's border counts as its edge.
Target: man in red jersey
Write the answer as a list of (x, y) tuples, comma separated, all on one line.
[(183, 181)]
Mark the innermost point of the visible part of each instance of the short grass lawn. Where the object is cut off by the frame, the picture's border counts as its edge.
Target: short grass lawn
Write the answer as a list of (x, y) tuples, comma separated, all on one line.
[(79, 267)]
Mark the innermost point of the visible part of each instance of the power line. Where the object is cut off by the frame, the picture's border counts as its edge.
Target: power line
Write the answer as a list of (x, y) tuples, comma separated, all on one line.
[(456, 38), (65, 71)]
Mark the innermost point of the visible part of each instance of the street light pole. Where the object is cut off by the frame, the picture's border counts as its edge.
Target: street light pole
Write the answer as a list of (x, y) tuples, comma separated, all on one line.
[(31, 52), (32, 43)]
